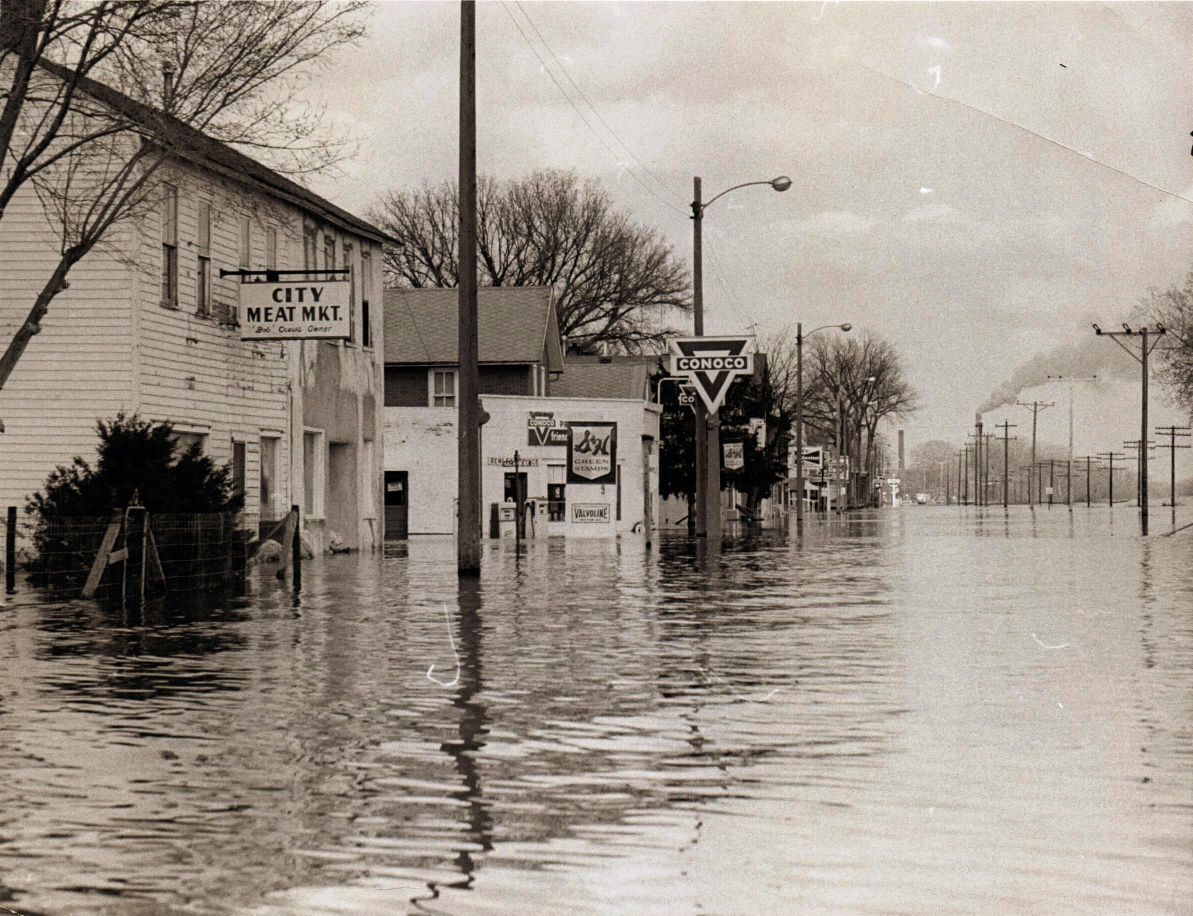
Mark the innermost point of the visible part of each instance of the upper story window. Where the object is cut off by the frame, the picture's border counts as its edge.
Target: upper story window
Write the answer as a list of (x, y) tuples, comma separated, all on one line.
[(169, 221), (246, 241), (271, 248), (443, 387), (308, 248), (366, 293), (203, 274), (329, 252), (348, 249)]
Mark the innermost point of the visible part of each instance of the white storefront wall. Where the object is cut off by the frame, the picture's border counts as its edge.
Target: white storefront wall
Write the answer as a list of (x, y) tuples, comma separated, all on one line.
[(422, 442)]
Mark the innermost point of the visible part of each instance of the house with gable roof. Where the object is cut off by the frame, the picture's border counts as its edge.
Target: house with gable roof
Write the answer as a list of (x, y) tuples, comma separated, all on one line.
[(531, 395), (149, 326)]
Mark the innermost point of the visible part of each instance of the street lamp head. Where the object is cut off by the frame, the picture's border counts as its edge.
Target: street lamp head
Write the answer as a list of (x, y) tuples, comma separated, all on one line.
[(782, 183), (846, 327)]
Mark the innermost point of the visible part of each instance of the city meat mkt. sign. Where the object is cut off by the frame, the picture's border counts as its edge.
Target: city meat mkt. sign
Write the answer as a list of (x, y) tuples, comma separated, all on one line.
[(298, 310), (592, 452)]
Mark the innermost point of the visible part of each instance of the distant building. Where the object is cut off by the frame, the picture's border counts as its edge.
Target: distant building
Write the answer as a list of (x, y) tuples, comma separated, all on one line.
[(531, 395), (149, 327)]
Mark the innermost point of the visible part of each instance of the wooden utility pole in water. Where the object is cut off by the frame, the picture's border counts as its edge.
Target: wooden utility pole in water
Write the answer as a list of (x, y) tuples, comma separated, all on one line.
[(1141, 357), (1173, 433), (1006, 426), (1035, 407), (468, 545)]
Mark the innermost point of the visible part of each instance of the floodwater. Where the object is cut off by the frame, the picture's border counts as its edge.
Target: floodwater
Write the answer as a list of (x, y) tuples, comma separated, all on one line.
[(923, 710)]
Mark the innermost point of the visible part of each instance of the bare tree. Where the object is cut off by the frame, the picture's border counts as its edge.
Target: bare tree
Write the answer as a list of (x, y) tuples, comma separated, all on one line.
[(852, 384), (1173, 308), (97, 96), (615, 282)]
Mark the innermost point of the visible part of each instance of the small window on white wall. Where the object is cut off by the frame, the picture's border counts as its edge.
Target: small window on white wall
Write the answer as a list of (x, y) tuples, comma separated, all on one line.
[(443, 387)]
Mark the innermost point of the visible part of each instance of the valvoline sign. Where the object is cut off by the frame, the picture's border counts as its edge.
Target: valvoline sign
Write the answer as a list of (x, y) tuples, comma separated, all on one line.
[(302, 309)]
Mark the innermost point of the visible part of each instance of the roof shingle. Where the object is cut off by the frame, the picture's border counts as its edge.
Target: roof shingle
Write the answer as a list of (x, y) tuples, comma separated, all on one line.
[(514, 325)]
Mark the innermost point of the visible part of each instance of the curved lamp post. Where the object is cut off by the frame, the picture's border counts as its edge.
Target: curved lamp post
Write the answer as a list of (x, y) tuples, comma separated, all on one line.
[(799, 410), (708, 431)]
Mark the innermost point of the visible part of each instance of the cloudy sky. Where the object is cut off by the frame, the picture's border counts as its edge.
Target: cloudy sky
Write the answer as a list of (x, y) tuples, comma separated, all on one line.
[(977, 182)]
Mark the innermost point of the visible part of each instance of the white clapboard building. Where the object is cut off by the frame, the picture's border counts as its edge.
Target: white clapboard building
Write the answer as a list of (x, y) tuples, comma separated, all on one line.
[(148, 326)]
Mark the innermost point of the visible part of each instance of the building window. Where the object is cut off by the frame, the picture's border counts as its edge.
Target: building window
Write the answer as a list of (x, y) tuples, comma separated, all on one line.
[(183, 441), (351, 294), (169, 218), (239, 482), (246, 241), (203, 276), (268, 474), (366, 293), (556, 493), (443, 387), (308, 248), (271, 248), (329, 252), (314, 471)]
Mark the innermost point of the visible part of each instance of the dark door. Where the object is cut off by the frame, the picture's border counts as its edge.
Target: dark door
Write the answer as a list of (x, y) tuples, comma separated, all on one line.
[(396, 506)]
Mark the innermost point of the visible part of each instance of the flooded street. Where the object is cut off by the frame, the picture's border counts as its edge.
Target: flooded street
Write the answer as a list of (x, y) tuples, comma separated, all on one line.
[(920, 710)]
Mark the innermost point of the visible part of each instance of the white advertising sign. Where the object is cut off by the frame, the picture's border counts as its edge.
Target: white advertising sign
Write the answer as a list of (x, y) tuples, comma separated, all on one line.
[(295, 310), (735, 456)]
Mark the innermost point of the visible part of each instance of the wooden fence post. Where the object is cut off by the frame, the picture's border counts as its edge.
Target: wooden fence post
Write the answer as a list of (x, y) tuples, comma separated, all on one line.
[(296, 547), (10, 551), (134, 546)]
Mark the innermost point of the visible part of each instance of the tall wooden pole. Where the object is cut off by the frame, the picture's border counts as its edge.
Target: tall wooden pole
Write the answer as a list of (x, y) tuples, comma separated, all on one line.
[(698, 328), (468, 405), (1143, 437), (799, 423)]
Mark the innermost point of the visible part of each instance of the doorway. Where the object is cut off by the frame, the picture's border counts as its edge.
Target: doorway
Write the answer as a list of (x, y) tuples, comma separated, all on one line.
[(397, 509)]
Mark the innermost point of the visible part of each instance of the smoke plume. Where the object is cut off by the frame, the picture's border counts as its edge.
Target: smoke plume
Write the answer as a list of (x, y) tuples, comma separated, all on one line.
[(1098, 356)]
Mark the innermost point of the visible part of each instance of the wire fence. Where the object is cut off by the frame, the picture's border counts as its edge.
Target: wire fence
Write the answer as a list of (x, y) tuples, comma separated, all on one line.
[(134, 554)]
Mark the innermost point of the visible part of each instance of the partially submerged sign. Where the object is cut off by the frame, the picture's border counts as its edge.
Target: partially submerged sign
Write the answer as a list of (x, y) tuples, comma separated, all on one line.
[(590, 513), (296, 310), (711, 364)]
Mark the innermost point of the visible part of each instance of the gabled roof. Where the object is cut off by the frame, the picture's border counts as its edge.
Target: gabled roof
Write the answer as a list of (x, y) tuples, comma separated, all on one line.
[(515, 324), (187, 143), (589, 379)]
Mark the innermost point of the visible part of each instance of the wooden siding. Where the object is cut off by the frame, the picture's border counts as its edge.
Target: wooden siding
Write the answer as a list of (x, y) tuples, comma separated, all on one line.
[(76, 370), (195, 370)]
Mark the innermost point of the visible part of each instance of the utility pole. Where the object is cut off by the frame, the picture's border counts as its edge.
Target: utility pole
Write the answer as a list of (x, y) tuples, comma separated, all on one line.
[(468, 478), (1140, 465), (1173, 433), (989, 437), (1110, 456), (948, 479), (1141, 358), (1051, 480), (1088, 459), (1035, 407), (1071, 379), (960, 454), (1006, 428), (965, 460)]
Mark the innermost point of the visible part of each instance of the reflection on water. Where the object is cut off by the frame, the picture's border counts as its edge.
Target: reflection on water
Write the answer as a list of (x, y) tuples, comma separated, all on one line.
[(922, 710)]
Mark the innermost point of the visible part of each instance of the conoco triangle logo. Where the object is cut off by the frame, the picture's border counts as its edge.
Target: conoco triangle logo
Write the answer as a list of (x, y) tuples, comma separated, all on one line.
[(711, 363)]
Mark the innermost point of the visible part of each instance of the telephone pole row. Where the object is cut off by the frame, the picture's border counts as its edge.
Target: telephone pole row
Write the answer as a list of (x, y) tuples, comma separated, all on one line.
[(1173, 433)]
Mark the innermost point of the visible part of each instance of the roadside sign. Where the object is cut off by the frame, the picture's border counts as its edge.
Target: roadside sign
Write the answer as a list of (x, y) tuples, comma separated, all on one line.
[(711, 364), (735, 455), (813, 457), (295, 310), (687, 396)]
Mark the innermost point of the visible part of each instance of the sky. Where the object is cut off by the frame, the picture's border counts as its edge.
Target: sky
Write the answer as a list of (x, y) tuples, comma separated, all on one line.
[(975, 182)]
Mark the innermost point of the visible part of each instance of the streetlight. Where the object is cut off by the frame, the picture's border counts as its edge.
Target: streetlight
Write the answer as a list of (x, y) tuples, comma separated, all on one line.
[(799, 410), (708, 428)]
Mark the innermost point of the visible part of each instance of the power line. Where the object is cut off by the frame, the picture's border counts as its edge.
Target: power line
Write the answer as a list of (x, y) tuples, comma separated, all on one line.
[(587, 102), (616, 156)]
